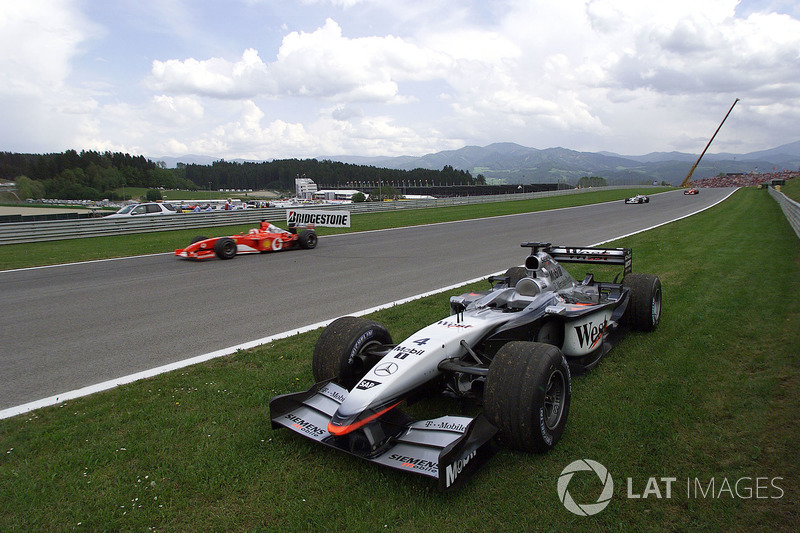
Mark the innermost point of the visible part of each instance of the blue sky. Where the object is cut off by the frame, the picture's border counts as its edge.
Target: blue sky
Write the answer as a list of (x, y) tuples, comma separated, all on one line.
[(265, 79)]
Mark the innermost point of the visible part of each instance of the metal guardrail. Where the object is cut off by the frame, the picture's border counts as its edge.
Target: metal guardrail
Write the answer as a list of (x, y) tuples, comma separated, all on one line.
[(790, 208), (53, 230)]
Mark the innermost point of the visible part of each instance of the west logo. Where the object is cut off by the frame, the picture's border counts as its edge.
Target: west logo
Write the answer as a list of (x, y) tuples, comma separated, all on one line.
[(589, 333)]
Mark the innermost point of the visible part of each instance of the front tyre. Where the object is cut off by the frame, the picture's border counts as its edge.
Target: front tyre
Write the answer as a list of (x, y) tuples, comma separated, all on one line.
[(527, 395), (225, 248), (644, 308), (343, 351)]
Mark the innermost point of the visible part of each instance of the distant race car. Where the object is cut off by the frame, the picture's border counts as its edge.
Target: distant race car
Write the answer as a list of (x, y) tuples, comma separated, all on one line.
[(638, 199), (266, 238), (691, 191), (512, 348)]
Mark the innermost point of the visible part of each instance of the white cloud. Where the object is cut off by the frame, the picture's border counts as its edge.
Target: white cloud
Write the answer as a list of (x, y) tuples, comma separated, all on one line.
[(180, 109), (711, 56), (39, 39), (215, 77), (320, 64), (374, 77)]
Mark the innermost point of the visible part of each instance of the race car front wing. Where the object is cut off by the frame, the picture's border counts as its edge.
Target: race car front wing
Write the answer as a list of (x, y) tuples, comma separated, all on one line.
[(446, 448)]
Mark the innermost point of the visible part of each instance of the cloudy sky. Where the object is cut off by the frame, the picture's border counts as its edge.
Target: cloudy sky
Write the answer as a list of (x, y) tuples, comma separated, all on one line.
[(265, 79)]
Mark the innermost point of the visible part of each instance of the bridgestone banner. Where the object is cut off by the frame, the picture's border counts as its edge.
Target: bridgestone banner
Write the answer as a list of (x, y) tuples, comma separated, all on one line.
[(334, 219)]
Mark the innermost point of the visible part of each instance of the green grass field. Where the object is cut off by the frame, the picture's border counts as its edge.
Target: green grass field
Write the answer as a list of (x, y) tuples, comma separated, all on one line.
[(709, 399), (792, 189)]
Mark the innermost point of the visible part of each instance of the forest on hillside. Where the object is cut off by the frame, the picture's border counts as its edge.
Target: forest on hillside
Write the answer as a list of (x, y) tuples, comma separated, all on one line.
[(87, 175), (280, 174), (91, 175)]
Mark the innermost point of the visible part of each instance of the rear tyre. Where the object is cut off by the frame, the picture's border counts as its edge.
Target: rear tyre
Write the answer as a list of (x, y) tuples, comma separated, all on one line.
[(644, 308), (307, 239), (225, 248), (342, 351), (527, 395)]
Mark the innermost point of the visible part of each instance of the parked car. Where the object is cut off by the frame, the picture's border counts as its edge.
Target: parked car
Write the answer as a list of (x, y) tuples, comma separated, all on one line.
[(144, 210)]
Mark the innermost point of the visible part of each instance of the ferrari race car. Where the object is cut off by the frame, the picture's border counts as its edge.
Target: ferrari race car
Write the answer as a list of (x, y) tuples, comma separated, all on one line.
[(638, 199), (266, 238), (511, 348), (691, 191)]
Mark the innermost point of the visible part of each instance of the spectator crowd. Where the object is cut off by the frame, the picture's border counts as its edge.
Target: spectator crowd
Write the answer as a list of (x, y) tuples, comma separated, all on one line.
[(751, 179)]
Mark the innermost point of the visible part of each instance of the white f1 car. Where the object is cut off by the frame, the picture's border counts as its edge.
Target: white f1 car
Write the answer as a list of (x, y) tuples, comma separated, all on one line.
[(512, 348), (638, 199)]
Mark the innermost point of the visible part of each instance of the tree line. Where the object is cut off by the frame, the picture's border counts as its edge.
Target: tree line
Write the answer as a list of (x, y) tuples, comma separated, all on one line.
[(280, 174), (87, 175), (92, 175)]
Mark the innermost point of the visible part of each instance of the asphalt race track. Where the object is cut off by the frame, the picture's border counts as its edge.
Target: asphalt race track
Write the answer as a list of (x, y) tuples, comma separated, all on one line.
[(72, 326)]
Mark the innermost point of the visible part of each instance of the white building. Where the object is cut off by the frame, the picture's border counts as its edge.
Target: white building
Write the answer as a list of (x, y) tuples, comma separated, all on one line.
[(305, 188), (337, 195)]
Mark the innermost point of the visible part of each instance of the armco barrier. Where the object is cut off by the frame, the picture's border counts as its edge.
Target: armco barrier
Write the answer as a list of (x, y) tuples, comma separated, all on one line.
[(53, 230), (791, 209)]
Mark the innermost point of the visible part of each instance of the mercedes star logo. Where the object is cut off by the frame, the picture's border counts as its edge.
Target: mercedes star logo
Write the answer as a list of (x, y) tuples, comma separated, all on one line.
[(385, 369)]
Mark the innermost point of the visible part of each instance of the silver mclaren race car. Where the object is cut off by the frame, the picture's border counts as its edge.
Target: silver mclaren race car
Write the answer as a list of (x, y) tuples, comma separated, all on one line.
[(638, 199), (512, 349)]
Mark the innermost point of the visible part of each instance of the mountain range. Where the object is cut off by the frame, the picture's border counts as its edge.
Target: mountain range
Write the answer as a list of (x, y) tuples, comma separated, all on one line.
[(514, 163)]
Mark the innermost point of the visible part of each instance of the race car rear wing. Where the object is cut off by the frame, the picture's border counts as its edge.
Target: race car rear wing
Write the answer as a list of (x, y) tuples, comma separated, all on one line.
[(585, 254)]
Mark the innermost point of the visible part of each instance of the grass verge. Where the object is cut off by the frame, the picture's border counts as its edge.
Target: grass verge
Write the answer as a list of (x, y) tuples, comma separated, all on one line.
[(88, 249), (710, 397), (792, 189)]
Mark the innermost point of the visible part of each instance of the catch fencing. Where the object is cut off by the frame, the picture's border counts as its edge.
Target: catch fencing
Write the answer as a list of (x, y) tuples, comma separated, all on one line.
[(53, 230)]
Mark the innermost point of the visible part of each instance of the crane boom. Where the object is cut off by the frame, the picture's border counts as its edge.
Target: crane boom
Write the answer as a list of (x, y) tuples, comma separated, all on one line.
[(691, 171)]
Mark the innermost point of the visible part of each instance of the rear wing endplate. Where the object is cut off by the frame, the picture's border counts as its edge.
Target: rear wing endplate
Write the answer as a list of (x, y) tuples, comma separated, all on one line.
[(585, 254)]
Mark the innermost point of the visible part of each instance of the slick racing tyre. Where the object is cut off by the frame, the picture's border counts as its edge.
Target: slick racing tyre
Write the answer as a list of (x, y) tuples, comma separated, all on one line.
[(307, 239), (198, 239), (225, 248), (527, 395), (343, 350), (644, 308)]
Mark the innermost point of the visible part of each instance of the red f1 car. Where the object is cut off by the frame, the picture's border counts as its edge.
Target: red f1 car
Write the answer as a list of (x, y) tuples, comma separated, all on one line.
[(266, 238), (691, 191)]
